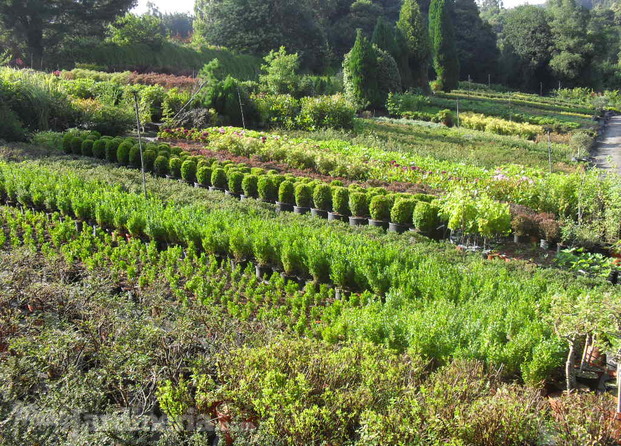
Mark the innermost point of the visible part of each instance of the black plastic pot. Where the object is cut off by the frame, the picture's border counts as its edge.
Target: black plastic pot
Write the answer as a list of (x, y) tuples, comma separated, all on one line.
[(319, 213), (301, 210), (231, 194), (357, 221), (215, 189), (284, 207), (396, 227), (378, 223), (333, 216), (201, 186)]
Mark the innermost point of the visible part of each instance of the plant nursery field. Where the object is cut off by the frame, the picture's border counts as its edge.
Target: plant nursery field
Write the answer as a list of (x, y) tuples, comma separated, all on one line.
[(392, 281)]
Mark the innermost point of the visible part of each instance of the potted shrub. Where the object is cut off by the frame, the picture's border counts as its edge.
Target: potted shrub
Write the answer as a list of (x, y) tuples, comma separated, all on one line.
[(340, 204), (99, 148), (188, 171), (250, 186), (267, 189), (426, 217), (235, 179), (286, 196), (550, 232), (379, 209), (111, 149), (523, 226), (322, 200), (359, 208), (218, 180), (401, 215), (134, 157), (160, 166), (174, 168), (264, 254), (303, 198), (203, 177)]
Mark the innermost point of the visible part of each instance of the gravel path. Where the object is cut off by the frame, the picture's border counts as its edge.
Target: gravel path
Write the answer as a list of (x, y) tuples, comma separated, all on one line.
[(608, 150)]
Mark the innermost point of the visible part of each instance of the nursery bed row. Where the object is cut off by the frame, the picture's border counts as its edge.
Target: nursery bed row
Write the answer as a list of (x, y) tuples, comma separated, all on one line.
[(438, 301)]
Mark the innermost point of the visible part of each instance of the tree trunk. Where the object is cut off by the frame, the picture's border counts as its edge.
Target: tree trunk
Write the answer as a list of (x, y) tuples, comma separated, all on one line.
[(570, 376), (587, 342)]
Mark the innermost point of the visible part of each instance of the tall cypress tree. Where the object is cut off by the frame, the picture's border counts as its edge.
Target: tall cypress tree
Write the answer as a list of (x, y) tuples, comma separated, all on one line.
[(360, 73), (384, 37), (445, 60), (414, 47)]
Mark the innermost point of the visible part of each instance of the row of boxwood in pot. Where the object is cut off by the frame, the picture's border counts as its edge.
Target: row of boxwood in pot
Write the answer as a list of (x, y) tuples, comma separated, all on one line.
[(358, 205)]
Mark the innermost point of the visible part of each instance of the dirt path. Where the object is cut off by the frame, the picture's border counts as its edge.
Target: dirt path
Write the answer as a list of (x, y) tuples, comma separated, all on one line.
[(608, 150)]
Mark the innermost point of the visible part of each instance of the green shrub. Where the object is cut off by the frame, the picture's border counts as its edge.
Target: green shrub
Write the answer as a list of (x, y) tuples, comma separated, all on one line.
[(322, 197), (340, 200), (174, 167), (67, 143), (286, 192), (134, 157), (426, 217), (122, 153), (149, 160), (402, 211), (87, 147), (250, 185), (218, 178), (99, 148), (235, 180), (267, 189), (277, 110), (358, 204), (326, 112), (303, 195), (446, 117), (111, 149), (76, 145), (188, 171), (203, 175), (160, 165), (379, 208)]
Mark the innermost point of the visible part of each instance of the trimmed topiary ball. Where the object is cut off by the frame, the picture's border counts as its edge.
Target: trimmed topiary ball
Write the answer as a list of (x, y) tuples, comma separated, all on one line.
[(322, 197), (218, 178), (250, 185), (122, 153), (188, 171), (160, 165), (87, 147), (303, 195), (266, 188), (99, 148), (340, 200), (235, 182), (174, 167), (358, 204), (203, 176), (76, 145), (380, 207), (286, 192), (402, 211)]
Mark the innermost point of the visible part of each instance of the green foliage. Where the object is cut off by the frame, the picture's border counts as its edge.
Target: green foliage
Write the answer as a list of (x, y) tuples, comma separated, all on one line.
[(286, 192), (135, 160), (235, 179), (112, 147), (188, 171), (322, 197), (358, 204), (402, 211), (268, 191), (379, 208), (250, 186), (87, 147), (445, 61), (414, 47), (303, 195), (280, 75), (384, 37), (426, 217), (134, 29), (218, 178), (340, 200), (160, 165), (174, 167), (277, 110), (99, 148), (326, 112)]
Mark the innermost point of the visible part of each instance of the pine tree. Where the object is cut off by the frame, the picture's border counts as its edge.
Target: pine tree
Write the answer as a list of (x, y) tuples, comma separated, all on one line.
[(445, 60), (384, 37), (414, 47)]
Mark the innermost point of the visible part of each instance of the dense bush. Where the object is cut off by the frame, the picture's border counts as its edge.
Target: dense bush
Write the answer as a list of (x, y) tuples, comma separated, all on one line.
[(235, 180), (358, 204), (326, 112), (99, 148), (303, 195), (188, 171), (160, 165), (426, 217), (340, 200), (135, 160), (286, 192), (218, 178), (277, 110), (87, 147), (174, 167), (122, 152), (402, 211), (250, 186), (268, 191), (322, 197), (379, 208)]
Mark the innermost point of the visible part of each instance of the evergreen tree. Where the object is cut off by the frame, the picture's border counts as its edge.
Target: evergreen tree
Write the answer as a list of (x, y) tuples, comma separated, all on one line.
[(445, 60), (384, 37), (369, 74), (414, 47)]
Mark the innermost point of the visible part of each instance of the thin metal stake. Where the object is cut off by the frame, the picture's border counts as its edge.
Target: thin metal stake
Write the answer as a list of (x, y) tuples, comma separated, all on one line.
[(144, 178), (241, 107)]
